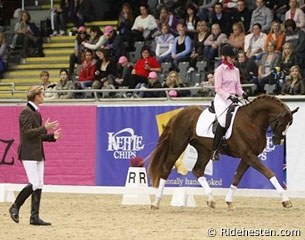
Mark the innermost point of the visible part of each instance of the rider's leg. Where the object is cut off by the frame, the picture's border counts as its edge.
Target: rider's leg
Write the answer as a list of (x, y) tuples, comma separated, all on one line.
[(220, 131)]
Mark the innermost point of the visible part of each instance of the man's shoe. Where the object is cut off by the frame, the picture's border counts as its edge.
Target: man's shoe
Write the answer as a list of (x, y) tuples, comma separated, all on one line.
[(14, 213), (215, 156), (35, 220)]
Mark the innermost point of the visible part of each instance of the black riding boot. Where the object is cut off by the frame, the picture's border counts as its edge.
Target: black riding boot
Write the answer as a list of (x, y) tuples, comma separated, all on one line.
[(220, 131), (35, 220), (22, 196)]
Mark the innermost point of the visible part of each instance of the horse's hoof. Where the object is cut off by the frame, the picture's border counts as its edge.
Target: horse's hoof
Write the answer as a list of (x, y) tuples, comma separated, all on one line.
[(211, 204), (287, 204), (154, 207), (230, 206)]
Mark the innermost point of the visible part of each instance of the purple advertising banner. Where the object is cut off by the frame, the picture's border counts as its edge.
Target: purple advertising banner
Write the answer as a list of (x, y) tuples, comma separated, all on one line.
[(129, 131), (69, 161)]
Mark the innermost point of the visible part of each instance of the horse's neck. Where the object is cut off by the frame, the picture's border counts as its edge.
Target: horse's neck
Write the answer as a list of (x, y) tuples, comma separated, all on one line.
[(260, 112)]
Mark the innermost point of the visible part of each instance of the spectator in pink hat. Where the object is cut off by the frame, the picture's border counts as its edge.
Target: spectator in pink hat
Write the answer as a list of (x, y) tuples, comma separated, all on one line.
[(123, 74), (153, 82), (102, 42)]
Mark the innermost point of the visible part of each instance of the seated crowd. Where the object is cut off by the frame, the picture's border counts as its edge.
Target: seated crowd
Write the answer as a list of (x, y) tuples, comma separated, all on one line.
[(268, 40)]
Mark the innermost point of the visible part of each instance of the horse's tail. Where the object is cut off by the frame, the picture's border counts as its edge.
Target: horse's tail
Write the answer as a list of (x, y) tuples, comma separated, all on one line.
[(159, 155)]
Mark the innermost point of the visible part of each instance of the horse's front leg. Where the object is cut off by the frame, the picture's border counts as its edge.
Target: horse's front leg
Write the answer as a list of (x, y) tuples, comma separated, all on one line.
[(159, 194), (240, 171), (255, 163)]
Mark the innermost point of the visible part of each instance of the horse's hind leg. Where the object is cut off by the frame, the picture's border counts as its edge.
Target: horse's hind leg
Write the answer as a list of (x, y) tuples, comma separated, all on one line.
[(241, 169), (159, 194), (164, 175)]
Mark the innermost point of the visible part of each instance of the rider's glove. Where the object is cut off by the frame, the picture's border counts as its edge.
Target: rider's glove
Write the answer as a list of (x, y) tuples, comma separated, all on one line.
[(233, 98), (245, 96)]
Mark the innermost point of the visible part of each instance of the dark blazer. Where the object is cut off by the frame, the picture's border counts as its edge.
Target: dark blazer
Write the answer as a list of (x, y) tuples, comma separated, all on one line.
[(32, 134)]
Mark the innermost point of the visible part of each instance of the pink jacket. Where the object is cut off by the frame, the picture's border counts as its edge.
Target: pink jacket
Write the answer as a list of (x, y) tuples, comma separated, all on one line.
[(227, 81)]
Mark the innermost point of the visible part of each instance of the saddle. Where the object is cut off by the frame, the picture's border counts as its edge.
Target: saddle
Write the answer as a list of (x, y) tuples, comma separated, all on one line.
[(229, 116)]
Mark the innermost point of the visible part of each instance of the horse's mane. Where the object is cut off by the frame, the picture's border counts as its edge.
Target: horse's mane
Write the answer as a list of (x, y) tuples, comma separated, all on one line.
[(268, 98)]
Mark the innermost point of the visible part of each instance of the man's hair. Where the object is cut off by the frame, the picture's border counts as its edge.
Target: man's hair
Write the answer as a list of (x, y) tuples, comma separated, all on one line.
[(33, 91), (44, 73)]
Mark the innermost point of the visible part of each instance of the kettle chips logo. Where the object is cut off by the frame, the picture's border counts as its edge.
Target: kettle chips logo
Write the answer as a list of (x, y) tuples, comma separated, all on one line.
[(124, 144)]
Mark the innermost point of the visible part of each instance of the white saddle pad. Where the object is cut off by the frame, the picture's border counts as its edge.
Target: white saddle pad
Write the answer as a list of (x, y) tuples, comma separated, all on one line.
[(204, 124)]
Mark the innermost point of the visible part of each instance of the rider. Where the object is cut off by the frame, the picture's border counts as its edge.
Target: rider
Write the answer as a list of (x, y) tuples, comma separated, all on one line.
[(227, 88)]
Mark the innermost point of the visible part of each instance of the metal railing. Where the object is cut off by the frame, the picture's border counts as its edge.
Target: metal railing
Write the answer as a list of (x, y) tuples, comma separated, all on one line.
[(12, 85), (97, 92), (36, 4)]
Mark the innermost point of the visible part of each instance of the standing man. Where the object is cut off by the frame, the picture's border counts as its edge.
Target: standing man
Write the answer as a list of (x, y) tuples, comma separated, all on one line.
[(30, 152)]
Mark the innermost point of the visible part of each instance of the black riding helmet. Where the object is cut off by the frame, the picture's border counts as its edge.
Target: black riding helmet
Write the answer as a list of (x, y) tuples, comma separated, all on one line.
[(227, 51)]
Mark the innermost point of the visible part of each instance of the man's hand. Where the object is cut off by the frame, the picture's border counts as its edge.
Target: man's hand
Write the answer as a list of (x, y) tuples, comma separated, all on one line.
[(57, 134), (50, 125)]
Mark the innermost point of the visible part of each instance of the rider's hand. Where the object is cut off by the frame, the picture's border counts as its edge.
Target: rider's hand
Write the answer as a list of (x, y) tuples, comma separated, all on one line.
[(233, 98), (245, 96)]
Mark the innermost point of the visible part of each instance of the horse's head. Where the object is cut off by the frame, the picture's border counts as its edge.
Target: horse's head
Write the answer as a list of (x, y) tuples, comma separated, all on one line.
[(280, 124)]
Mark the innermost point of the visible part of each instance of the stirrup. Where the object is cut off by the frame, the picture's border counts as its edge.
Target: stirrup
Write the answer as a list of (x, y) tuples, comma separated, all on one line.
[(215, 155)]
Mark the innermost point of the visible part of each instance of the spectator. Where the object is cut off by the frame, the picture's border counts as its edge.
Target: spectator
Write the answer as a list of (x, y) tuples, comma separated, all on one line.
[(64, 84), (198, 43), (295, 84), (153, 82), (79, 49), (144, 25), (182, 47), (255, 42), (95, 34), (296, 37), (241, 14), (85, 12), (174, 81), (275, 35), (28, 34), (166, 17), (266, 68), (280, 10), (102, 42), (123, 73), (105, 70), (212, 45), (143, 67), (247, 67), (296, 14), (207, 86), (262, 15), (237, 38), (125, 22), (221, 18), (3, 54), (59, 18), (115, 45), (288, 59), (206, 9), (191, 20), (87, 71), (165, 43), (47, 85)]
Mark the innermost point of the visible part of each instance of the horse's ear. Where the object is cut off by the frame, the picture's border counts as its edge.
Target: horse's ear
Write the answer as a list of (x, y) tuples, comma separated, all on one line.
[(295, 110)]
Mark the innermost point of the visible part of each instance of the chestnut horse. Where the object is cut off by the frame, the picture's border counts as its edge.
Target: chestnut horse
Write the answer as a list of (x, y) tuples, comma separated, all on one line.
[(247, 141)]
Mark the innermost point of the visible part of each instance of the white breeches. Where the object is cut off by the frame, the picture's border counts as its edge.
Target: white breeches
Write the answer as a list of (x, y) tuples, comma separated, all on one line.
[(221, 107), (35, 172)]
